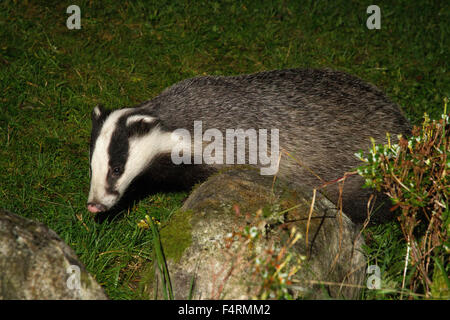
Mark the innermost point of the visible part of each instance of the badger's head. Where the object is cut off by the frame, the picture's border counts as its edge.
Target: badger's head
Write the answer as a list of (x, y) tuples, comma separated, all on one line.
[(123, 144)]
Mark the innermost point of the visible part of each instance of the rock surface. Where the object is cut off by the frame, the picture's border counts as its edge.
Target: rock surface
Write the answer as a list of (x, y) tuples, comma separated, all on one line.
[(205, 263), (36, 264)]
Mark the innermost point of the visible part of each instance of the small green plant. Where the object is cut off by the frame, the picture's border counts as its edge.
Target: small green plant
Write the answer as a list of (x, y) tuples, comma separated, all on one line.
[(271, 267), (414, 174), (152, 223)]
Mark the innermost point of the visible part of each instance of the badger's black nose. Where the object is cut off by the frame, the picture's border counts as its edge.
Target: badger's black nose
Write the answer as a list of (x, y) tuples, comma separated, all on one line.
[(96, 207)]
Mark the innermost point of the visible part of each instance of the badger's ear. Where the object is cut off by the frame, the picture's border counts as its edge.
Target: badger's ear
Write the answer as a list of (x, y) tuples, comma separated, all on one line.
[(140, 118), (98, 112), (139, 124)]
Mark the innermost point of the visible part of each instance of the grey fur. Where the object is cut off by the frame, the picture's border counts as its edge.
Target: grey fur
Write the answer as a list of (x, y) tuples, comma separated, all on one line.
[(323, 117)]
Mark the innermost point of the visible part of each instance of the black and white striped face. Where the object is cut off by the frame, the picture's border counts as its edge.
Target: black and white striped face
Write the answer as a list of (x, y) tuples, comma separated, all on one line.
[(123, 144)]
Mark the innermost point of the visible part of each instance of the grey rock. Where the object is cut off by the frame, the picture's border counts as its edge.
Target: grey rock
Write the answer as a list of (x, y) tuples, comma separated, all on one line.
[(36, 264), (196, 249)]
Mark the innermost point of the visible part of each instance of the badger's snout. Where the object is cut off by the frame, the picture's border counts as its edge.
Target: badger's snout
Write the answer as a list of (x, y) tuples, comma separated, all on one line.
[(96, 207), (105, 202)]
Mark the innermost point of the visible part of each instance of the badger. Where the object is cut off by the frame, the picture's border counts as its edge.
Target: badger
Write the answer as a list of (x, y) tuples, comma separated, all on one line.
[(319, 117)]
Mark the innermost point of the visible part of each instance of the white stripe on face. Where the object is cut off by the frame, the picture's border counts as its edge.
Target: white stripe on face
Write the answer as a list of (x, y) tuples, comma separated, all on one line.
[(100, 161), (142, 149)]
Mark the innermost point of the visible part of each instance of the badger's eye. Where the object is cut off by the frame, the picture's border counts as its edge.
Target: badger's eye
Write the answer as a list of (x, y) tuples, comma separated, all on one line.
[(116, 171)]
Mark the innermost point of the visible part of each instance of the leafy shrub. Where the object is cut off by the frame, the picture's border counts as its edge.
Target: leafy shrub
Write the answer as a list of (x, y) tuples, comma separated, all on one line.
[(414, 174)]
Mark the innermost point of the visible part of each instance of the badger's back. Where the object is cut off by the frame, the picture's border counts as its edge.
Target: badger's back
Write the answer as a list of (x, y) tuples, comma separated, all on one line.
[(323, 118)]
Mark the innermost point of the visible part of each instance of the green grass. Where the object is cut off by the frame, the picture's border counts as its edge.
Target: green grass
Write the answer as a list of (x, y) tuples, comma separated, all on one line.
[(129, 51)]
